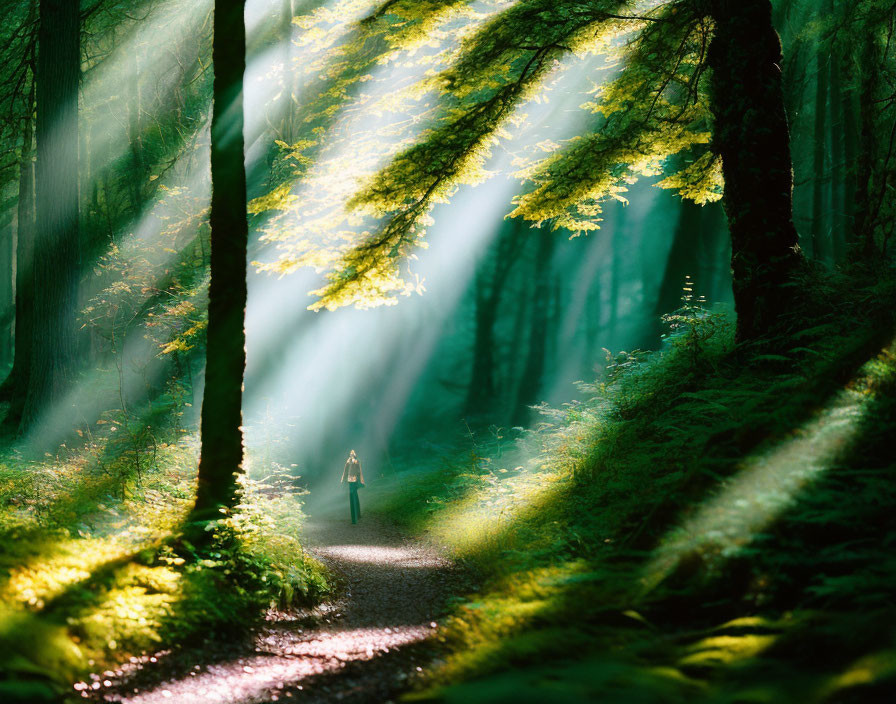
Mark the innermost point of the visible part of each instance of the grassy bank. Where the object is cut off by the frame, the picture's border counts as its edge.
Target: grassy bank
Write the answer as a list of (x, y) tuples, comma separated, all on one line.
[(93, 571), (710, 523)]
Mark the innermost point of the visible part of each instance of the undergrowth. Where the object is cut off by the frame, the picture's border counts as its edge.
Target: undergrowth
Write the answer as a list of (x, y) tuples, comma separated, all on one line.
[(711, 523), (94, 570)]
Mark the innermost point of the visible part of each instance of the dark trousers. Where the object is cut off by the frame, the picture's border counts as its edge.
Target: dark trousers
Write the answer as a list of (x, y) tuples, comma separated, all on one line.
[(353, 502)]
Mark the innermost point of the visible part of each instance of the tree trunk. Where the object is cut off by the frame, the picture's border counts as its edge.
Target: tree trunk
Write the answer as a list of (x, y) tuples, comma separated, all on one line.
[(531, 380), (16, 383), (819, 151), (838, 137), (7, 295), (481, 390), (56, 250), (221, 457), (850, 154), (489, 288), (752, 137), (863, 228)]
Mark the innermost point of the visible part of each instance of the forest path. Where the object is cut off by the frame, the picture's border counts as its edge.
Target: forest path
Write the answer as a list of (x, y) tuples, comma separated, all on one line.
[(363, 647)]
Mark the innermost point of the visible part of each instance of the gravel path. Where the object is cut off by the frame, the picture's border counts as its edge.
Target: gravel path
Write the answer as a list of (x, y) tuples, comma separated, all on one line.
[(366, 647)]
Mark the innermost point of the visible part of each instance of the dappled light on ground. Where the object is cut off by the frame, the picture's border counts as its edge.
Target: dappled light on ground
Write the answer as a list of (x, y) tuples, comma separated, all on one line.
[(362, 643), (284, 662), (373, 554)]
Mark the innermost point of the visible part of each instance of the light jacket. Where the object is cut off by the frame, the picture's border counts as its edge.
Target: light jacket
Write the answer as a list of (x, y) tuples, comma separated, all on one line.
[(352, 472)]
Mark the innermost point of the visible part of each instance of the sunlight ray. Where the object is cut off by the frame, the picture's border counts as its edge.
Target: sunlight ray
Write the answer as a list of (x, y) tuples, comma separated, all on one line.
[(762, 489)]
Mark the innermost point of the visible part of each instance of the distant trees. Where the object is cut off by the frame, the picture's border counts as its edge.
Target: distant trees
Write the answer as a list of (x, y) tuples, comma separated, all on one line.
[(838, 67), (59, 240), (221, 424), (535, 352), (21, 57), (55, 268), (489, 287)]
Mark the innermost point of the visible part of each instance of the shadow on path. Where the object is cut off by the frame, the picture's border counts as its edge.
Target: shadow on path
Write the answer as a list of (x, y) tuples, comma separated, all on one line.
[(364, 647)]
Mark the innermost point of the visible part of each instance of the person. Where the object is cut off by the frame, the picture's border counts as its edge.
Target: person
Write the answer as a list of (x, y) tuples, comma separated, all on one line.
[(354, 477)]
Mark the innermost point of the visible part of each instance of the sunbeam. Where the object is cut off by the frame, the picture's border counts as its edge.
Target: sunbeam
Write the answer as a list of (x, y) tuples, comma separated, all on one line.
[(763, 487)]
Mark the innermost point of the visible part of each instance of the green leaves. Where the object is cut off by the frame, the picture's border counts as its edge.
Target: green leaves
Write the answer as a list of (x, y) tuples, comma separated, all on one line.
[(652, 110), (500, 66), (363, 239)]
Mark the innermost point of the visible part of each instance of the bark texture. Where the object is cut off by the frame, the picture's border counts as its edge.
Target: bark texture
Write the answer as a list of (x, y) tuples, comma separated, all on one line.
[(16, 384), (863, 224), (751, 135), (56, 245), (221, 456), (819, 152)]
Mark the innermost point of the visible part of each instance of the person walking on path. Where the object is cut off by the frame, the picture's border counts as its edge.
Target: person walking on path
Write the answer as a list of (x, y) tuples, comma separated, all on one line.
[(354, 477)]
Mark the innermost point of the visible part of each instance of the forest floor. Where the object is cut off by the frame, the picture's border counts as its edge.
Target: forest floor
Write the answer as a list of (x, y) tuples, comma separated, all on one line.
[(367, 645)]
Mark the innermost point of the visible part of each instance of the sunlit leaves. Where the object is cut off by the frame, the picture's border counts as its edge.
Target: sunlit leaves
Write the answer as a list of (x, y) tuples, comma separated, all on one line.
[(498, 70), (323, 161), (700, 181), (278, 199), (653, 110), (154, 287)]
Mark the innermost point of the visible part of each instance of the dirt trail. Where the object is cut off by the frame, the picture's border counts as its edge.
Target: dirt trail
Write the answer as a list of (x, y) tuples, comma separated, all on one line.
[(364, 647)]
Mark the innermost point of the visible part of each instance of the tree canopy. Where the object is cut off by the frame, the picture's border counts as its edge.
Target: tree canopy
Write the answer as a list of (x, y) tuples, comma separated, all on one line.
[(654, 108)]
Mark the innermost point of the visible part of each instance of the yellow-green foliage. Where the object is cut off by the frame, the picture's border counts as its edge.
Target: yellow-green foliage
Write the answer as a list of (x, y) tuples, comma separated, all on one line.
[(654, 110), (92, 571), (359, 223), (343, 50)]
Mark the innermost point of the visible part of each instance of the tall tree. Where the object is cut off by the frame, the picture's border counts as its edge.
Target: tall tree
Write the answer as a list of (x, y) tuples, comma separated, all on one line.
[(823, 63), (868, 60), (221, 457), (752, 137), (531, 380), (850, 133), (56, 251), (16, 383), (839, 139), (15, 386)]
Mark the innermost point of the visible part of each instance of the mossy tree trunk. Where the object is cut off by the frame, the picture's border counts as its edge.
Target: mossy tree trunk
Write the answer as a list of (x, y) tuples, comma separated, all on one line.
[(751, 135), (221, 456), (56, 258)]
